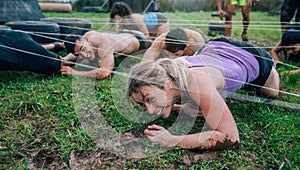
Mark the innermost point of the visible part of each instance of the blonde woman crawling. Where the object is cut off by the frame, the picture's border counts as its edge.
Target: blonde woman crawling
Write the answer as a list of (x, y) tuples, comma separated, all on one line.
[(205, 80)]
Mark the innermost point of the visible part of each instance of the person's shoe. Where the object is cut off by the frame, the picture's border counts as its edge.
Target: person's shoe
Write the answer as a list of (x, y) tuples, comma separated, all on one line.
[(244, 36)]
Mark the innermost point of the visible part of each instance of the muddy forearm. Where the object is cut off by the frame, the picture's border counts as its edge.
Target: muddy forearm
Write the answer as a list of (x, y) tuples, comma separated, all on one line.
[(209, 140)]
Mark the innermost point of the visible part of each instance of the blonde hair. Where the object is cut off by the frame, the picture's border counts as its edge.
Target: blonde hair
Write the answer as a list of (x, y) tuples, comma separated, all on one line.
[(155, 73)]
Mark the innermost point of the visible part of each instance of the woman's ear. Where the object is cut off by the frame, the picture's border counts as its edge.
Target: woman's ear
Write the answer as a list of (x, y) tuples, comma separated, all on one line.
[(169, 83)]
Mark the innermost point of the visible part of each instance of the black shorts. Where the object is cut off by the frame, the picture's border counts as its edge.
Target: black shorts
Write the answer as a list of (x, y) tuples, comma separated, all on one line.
[(293, 57), (18, 51), (144, 43), (264, 59), (161, 19)]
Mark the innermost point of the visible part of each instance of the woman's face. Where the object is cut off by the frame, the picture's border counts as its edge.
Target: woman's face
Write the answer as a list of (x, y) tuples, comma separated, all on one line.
[(118, 19), (155, 100), (293, 49)]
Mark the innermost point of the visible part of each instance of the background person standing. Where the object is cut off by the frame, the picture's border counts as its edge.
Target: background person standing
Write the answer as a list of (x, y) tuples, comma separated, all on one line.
[(230, 6)]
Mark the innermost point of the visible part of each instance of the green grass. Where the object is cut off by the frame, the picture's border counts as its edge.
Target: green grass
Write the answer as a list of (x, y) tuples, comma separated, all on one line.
[(52, 121)]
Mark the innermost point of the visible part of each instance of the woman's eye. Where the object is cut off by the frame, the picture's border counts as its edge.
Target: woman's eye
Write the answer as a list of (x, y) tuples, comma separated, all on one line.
[(151, 100)]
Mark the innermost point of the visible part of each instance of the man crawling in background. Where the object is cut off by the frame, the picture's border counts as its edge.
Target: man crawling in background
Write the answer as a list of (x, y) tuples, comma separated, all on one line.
[(102, 48), (178, 41)]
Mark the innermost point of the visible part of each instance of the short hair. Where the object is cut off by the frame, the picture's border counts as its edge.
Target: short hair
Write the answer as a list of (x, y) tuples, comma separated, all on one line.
[(291, 35), (121, 9), (70, 42), (176, 40)]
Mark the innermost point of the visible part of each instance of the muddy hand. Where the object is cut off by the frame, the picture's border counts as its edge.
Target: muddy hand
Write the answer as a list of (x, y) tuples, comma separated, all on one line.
[(159, 135)]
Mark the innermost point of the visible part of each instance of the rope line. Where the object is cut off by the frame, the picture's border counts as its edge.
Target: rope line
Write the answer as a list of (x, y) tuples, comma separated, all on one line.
[(126, 75), (289, 65)]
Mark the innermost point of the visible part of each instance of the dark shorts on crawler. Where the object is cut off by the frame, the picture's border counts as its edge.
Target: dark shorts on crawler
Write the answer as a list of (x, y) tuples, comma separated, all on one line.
[(264, 59), (161, 18), (144, 43)]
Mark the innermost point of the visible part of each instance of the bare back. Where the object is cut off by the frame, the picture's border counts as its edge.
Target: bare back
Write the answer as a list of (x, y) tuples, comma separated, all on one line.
[(116, 43)]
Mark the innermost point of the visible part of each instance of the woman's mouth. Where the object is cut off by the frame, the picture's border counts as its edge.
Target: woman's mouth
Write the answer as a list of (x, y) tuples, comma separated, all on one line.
[(161, 110)]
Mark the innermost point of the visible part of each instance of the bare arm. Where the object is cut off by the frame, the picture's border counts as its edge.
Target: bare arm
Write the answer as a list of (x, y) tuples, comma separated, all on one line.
[(140, 24), (224, 133), (218, 116), (157, 46), (297, 71), (104, 70), (106, 64), (290, 72), (274, 52), (220, 10), (70, 57)]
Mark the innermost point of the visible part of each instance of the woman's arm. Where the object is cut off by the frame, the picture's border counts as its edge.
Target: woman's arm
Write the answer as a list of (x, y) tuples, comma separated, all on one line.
[(224, 133), (155, 49), (216, 114), (203, 90), (138, 20), (274, 52)]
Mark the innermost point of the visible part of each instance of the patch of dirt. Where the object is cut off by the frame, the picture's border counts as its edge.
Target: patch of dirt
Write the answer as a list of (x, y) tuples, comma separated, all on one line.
[(86, 159), (191, 158), (94, 160), (45, 159)]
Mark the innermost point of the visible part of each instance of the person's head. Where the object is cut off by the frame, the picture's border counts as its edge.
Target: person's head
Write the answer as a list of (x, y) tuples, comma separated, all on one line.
[(152, 84), (176, 41), (291, 39), (78, 46), (119, 10)]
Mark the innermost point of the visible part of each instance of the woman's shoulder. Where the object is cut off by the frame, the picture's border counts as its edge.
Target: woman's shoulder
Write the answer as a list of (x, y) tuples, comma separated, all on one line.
[(206, 77)]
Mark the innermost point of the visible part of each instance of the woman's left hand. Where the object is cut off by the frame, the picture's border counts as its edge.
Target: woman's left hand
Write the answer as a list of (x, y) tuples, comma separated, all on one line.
[(159, 135)]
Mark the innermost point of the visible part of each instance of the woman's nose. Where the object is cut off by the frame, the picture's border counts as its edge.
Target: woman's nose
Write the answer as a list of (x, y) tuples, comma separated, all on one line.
[(150, 109)]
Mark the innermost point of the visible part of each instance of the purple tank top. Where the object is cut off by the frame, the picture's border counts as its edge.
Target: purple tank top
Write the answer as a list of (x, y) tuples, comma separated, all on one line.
[(237, 65)]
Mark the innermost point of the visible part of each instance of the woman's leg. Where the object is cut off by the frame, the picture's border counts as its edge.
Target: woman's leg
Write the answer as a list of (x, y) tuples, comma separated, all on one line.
[(271, 87)]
